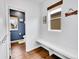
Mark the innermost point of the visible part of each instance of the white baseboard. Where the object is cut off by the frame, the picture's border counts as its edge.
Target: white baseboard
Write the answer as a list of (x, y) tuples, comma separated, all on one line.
[(32, 49)]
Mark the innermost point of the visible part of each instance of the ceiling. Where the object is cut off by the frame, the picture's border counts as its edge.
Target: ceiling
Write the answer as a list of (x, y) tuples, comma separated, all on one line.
[(39, 1)]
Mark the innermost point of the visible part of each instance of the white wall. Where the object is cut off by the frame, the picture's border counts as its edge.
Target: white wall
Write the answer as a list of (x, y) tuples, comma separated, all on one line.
[(2, 18), (68, 38), (32, 13)]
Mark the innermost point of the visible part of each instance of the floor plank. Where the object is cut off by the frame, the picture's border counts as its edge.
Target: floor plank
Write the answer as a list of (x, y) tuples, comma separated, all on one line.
[(19, 52)]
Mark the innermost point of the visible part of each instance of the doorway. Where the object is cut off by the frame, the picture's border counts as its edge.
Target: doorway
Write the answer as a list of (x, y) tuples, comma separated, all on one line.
[(16, 27)]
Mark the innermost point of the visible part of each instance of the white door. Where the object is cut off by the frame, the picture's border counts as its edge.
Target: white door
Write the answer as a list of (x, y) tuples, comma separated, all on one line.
[(3, 40), (3, 50)]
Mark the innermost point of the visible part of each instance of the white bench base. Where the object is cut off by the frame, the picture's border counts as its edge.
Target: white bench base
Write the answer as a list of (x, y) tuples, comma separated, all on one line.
[(55, 50)]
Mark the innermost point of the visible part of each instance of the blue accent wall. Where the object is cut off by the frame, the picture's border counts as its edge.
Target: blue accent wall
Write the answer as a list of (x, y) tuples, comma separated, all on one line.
[(21, 25)]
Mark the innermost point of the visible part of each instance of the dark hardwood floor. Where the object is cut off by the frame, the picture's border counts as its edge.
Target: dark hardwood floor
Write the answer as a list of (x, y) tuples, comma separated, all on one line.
[(18, 52)]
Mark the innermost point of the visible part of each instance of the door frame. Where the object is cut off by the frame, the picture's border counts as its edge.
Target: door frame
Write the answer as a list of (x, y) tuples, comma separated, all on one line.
[(14, 8)]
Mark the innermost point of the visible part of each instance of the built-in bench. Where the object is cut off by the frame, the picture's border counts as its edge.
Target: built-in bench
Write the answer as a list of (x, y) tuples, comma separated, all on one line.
[(55, 50)]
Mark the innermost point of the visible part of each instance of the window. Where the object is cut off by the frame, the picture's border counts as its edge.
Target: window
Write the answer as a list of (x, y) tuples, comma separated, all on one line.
[(54, 20)]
